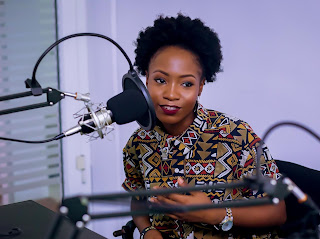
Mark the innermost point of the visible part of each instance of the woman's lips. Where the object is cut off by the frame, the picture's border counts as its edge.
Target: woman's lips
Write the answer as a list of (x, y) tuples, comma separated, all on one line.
[(169, 109)]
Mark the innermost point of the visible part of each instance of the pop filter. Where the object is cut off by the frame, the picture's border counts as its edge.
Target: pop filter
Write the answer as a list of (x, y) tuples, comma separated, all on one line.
[(131, 81)]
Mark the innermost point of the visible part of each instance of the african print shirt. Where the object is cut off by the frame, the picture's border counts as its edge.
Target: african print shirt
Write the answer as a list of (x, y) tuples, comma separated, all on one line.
[(216, 148)]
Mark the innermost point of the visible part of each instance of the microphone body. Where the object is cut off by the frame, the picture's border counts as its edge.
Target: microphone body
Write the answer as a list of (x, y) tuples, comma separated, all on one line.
[(90, 122), (128, 106)]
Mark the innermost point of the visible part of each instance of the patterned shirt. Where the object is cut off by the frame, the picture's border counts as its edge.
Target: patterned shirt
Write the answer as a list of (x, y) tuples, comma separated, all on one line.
[(216, 148)]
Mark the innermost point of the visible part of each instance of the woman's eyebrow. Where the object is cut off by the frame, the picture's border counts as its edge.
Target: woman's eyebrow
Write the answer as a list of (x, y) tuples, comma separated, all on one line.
[(188, 75), (167, 74), (163, 72)]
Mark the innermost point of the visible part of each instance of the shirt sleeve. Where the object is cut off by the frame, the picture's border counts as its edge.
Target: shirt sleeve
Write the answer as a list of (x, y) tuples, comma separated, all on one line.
[(247, 161), (134, 177)]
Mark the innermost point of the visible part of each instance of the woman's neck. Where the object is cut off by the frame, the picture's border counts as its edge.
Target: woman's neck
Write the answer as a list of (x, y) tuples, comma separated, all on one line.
[(177, 129), (174, 131)]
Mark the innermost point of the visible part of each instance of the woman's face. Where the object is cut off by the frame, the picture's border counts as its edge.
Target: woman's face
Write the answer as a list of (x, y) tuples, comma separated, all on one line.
[(174, 81)]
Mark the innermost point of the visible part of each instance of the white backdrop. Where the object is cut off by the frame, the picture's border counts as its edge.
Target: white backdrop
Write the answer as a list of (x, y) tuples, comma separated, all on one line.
[(271, 73)]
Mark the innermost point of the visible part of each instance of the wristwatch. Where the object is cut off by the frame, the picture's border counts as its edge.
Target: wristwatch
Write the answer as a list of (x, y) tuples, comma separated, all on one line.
[(227, 222)]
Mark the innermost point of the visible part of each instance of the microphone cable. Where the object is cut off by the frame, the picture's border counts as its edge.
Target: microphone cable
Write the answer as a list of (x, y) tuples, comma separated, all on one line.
[(272, 128), (284, 123), (30, 141)]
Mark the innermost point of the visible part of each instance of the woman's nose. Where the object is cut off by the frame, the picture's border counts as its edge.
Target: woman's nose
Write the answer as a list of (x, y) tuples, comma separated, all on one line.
[(171, 92)]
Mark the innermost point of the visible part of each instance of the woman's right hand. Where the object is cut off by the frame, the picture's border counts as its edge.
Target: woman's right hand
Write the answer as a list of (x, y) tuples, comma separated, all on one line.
[(153, 234)]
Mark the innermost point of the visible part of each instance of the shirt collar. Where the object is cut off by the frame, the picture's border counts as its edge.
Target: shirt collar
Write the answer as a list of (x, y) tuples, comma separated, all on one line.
[(192, 134)]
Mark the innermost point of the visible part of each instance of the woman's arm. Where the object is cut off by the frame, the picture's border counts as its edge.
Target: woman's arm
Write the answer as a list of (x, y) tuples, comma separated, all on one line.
[(143, 221), (255, 216)]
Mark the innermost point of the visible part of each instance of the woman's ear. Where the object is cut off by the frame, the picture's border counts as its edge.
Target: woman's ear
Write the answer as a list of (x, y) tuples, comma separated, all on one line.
[(201, 86)]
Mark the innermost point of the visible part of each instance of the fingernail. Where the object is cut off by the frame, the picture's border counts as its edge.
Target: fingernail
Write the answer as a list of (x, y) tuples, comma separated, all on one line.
[(180, 180)]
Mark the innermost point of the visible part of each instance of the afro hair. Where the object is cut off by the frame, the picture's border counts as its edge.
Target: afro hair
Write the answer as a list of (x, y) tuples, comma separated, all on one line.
[(184, 32)]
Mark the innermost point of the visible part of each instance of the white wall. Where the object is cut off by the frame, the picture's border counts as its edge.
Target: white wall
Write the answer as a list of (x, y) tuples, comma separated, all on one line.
[(271, 73), (73, 58)]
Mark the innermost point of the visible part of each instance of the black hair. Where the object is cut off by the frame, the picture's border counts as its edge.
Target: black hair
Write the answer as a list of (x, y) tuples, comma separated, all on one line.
[(184, 32)]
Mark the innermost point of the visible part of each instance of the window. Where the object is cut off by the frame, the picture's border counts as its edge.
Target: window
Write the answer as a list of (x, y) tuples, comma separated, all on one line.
[(28, 171)]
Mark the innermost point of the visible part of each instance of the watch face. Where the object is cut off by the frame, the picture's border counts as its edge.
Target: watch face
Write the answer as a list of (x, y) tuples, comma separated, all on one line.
[(227, 226)]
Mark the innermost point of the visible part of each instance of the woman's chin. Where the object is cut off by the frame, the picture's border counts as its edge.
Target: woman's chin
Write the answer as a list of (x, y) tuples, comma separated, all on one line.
[(168, 120)]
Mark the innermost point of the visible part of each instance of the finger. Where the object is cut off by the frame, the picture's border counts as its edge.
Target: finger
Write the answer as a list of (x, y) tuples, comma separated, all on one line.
[(162, 199), (179, 198), (182, 182), (173, 216), (195, 193), (154, 200)]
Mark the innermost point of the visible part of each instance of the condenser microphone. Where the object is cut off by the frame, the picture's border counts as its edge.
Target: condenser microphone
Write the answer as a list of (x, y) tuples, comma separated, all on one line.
[(133, 104), (128, 106)]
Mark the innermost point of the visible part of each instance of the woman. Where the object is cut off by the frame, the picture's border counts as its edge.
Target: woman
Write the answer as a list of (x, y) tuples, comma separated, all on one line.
[(192, 145)]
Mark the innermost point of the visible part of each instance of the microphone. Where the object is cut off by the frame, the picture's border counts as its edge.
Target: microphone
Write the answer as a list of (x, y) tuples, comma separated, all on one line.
[(133, 104), (128, 106), (302, 197)]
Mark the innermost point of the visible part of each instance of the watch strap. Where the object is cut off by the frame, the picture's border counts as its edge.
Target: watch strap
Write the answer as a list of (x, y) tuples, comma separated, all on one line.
[(227, 222)]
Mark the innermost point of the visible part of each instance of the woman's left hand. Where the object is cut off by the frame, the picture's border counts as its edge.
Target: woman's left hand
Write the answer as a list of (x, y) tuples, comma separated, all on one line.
[(194, 198)]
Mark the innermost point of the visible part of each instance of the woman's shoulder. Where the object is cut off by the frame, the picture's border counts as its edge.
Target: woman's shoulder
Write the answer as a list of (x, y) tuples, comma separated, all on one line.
[(227, 122)]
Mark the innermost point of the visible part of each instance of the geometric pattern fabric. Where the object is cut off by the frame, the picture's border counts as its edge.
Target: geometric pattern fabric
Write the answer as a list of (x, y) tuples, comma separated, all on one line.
[(216, 148)]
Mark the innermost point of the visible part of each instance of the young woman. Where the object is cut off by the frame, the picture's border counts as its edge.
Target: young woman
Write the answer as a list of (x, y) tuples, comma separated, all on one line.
[(192, 145)]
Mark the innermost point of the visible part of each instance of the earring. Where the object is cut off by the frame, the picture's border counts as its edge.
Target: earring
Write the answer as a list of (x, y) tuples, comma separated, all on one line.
[(195, 109)]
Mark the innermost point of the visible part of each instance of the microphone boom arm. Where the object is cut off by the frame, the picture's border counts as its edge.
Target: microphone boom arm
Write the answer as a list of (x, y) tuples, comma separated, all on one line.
[(53, 97)]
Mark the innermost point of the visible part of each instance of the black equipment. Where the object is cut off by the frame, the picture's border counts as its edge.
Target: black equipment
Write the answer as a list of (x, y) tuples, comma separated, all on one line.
[(30, 220), (301, 219)]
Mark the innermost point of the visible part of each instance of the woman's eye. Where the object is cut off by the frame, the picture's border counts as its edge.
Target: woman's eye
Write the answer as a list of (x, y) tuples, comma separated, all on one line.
[(187, 84), (160, 80)]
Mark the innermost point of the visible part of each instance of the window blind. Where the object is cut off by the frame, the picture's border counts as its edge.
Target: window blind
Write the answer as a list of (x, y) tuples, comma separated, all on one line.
[(28, 171)]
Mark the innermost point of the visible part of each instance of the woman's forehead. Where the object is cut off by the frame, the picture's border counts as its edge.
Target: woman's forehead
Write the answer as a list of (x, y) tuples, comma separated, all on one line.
[(175, 59)]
